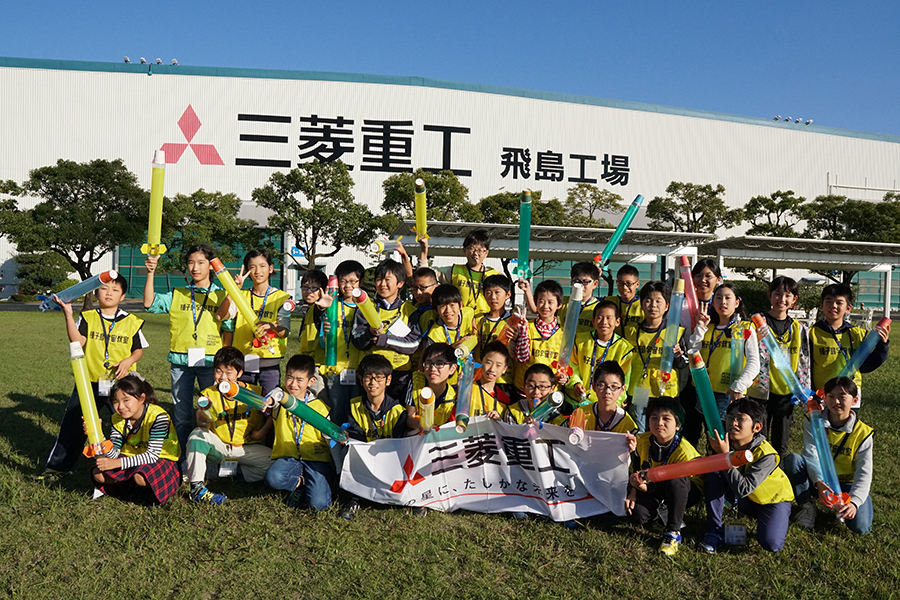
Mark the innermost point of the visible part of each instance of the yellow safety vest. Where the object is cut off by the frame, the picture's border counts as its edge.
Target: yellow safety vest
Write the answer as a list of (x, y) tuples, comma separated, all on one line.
[(470, 286), (790, 344), (624, 425), (718, 363), (643, 350), (120, 337), (845, 461), (181, 321), (488, 331), (827, 355), (378, 429), (585, 319), (630, 312), (136, 443), (776, 487), (444, 410), (682, 453), (294, 438), (267, 311), (543, 351), (399, 361), (589, 353), (235, 421)]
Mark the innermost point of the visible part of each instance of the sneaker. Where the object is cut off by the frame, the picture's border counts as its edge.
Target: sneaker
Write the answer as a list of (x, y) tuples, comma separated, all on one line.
[(806, 516), (351, 509), (52, 475), (570, 524), (419, 511), (98, 493), (670, 544), (206, 496), (711, 542), (294, 499)]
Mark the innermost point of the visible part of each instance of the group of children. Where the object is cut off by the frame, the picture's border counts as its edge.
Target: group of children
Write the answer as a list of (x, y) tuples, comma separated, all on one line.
[(376, 385)]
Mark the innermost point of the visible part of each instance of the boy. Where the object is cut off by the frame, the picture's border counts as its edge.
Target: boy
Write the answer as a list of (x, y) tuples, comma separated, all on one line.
[(628, 281), (832, 341), (398, 338), (454, 324), (491, 326), (761, 489), (594, 349), (605, 414), (851, 444), (313, 288), (113, 343), (662, 445), (437, 368), (301, 456), (233, 439), (771, 389), (588, 275), (490, 397), (539, 342), (375, 414), (540, 382), (469, 278), (340, 384), (647, 339)]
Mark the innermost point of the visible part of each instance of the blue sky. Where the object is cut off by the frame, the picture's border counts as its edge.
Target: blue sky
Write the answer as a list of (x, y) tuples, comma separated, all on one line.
[(834, 62)]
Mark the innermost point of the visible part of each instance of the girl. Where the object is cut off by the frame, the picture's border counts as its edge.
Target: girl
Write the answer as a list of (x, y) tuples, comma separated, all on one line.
[(263, 346), (194, 332), (145, 447), (717, 331)]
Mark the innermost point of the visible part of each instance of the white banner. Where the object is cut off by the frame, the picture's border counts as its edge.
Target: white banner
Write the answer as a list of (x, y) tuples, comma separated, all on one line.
[(494, 467)]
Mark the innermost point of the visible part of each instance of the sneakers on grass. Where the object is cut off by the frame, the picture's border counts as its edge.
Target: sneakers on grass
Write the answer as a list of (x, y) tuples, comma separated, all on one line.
[(351, 509), (294, 499), (50, 475), (712, 542), (207, 497), (806, 516), (671, 543)]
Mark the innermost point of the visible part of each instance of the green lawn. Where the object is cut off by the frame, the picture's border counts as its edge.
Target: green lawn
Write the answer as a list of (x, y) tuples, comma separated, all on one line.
[(56, 543)]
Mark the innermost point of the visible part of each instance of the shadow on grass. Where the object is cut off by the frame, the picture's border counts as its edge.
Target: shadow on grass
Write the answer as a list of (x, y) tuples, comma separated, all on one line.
[(19, 424)]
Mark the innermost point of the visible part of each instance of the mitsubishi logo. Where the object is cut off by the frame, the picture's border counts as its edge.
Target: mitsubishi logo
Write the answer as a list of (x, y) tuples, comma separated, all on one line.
[(398, 485), (189, 123)]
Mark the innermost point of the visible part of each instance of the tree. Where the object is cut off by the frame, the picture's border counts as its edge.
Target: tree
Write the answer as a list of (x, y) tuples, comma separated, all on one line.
[(585, 203), (40, 271), (774, 215), (86, 210), (692, 208), (447, 198), (314, 203), (825, 218)]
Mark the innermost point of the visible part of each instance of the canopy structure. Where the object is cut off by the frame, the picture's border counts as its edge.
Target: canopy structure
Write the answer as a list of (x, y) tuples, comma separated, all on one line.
[(561, 243), (821, 255)]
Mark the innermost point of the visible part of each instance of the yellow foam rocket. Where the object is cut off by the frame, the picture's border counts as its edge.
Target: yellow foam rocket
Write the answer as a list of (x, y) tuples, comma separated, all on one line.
[(154, 227), (421, 227)]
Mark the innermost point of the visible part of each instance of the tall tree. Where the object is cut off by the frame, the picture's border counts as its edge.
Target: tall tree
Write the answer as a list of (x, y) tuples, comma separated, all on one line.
[(775, 215), (692, 208), (447, 198), (314, 203), (586, 204)]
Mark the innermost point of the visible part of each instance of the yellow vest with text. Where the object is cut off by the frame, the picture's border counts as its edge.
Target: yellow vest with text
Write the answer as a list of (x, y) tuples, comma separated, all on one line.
[(445, 410), (379, 429), (399, 361), (642, 340), (136, 443), (827, 358), (589, 351), (121, 338), (543, 351), (312, 445), (585, 319), (268, 313), (630, 312), (790, 345), (488, 331), (719, 366), (245, 420), (845, 461), (181, 321), (774, 488), (683, 453), (470, 286)]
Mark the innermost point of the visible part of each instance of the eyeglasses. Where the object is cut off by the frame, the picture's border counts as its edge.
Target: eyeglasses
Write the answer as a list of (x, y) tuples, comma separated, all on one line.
[(583, 281), (476, 249), (376, 378), (628, 284), (424, 288), (530, 387), (352, 282), (310, 288), (602, 387), (435, 365)]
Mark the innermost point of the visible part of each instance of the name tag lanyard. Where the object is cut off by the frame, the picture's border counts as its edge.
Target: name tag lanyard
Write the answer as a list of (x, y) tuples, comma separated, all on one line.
[(107, 335), (194, 316)]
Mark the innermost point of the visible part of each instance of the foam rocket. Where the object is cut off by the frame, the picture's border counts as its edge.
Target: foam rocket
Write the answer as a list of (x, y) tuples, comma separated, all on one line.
[(602, 259), (421, 228), (154, 227)]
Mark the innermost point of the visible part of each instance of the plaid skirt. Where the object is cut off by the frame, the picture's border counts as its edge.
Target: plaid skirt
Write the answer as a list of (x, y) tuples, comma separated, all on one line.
[(163, 480)]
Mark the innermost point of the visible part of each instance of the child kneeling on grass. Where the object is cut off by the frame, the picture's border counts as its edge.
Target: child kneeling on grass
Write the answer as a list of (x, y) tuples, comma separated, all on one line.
[(145, 448)]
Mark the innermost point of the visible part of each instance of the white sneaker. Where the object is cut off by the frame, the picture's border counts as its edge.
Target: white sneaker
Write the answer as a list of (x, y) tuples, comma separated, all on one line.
[(98, 493), (806, 516)]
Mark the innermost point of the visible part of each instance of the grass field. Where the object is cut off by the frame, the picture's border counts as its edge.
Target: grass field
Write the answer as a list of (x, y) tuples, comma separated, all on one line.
[(56, 543)]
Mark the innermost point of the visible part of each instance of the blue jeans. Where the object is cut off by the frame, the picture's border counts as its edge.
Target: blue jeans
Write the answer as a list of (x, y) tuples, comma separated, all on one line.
[(268, 378), (794, 467), (183, 397), (637, 413), (771, 519), (307, 476)]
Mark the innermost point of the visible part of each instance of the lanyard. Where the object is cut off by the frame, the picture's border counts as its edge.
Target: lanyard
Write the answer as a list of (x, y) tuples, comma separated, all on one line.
[(594, 354), (263, 307), (231, 422), (841, 348), (674, 444), (397, 318), (490, 336), (544, 338), (472, 289), (344, 329), (627, 312), (649, 351), (714, 345), (605, 426), (375, 426), (447, 331), (194, 316), (107, 335), (128, 431), (298, 435), (490, 395)]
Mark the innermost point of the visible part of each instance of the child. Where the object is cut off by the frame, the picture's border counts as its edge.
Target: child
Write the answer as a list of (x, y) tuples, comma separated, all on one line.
[(539, 342), (398, 338), (469, 278), (340, 385), (262, 361), (195, 335), (605, 414), (437, 368), (594, 349), (375, 414), (851, 444), (145, 448), (832, 340), (454, 324), (424, 282), (490, 326), (233, 439), (714, 344), (628, 281), (302, 458), (489, 397), (759, 489), (540, 382), (662, 445), (313, 287), (771, 389), (707, 277), (588, 275), (113, 343), (647, 339)]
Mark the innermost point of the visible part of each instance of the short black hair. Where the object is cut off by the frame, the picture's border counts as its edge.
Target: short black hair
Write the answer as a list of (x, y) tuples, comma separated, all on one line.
[(750, 407), (445, 293), (390, 266), (229, 356), (478, 236), (846, 384), (706, 263), (837, 290), (374, 364), (540, 369), (315, 276), (628, 270), (549, 286), (581, 269), (256, 253), (788, 283), (350, 267), (655, 286), (444, 351), (657, 405), (425, 272), (133, 385), (496, 347), (302, 363), (497, 281), (604, 304), (121, 282), (608, 367), (204, 249)]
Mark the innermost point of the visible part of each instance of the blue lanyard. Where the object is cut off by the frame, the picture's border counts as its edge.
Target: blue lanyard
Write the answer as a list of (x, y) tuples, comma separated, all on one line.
[(263, 307), (714, 345), (841, 348), (674, 444), (299, 435), (106, 337), (375, 425), (494, 396), (594, 354), (649, 351), (447, 331), (194, 316), (626, 313), (605, 426)]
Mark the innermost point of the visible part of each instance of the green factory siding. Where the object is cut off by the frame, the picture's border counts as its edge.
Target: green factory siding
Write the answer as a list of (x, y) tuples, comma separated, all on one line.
[(870, 289)]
